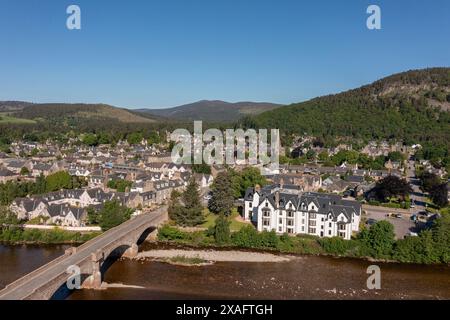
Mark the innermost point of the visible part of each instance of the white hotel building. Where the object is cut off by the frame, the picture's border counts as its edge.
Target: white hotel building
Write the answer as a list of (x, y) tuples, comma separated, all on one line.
[(285, 209)]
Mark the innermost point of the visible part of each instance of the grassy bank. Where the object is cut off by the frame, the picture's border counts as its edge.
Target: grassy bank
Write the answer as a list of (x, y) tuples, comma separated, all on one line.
[(376, 243), (35, 236)]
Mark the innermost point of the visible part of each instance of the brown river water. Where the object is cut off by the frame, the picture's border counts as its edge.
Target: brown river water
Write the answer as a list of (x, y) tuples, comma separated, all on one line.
[(305, 277)]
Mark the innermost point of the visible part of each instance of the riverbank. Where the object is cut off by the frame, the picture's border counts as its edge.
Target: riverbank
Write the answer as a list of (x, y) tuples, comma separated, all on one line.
[(212, 255), (374, 244), (17, 236)]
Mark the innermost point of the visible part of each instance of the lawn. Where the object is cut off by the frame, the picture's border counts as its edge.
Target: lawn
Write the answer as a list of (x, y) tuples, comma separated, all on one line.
[(211, 218)]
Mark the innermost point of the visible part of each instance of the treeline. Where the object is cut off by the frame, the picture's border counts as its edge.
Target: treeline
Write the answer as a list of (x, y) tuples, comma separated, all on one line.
[(53, 182), (54, 236), (431, 246)]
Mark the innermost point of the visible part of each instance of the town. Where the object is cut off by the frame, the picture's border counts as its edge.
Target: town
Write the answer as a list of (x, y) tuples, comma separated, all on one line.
[(318, 190)]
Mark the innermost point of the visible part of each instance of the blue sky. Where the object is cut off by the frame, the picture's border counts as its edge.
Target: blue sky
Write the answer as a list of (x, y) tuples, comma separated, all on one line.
[(161, 53)]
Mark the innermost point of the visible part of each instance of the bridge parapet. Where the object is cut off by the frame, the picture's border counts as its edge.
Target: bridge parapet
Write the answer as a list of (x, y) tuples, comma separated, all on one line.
[(89, 257)]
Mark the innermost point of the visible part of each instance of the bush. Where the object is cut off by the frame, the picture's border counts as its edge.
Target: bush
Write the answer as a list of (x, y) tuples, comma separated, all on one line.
[(334, 245), (168, 233)]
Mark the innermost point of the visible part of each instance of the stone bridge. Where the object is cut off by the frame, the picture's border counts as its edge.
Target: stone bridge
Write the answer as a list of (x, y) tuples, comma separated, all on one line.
[(92, 258)]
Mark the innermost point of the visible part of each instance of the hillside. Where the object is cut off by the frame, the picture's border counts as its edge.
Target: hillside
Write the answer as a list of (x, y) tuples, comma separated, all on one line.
[(79, 112), (212, 110), (9, 106), (411, 106)]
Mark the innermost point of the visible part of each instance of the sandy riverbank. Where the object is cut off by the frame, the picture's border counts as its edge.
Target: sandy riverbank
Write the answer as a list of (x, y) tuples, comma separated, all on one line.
[(212, 255)]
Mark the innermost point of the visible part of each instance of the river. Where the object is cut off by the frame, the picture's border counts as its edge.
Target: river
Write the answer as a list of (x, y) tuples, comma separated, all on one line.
[(306, 277)]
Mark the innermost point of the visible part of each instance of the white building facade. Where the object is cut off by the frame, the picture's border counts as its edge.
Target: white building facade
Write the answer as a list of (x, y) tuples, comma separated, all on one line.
[(284, 209)]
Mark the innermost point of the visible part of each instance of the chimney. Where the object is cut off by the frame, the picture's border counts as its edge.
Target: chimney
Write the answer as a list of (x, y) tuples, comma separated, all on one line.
[(277, 199), (258, 188), (281, 183)]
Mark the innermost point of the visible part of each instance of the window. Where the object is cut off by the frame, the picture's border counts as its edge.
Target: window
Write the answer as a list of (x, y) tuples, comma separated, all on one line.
[(312, 215), (280, 229), (312, 223), (329, 232), (280, 221), (312, 230), (329, 224), (290, 230), (303, 228), (303, 221), (342, 227), (290, 214), (323, 219), (290, 223), (266, 222)]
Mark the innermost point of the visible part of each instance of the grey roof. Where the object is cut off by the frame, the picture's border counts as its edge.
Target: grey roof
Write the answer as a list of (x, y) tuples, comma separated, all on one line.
[(326, 203)]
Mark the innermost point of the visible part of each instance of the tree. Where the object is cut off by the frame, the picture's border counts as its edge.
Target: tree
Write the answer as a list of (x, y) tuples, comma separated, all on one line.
[(439, 195), (222, 199), (59, 180), (201, 168), (7, 217), (249, 177), (93, 215), (441, 237), (113, 214), (379, 239), (396, 156), (24, 171), (392, 186), (189, 212), (222, 230), (154, 138), (90, 139), (429, 181), (119, 184), (135, 138), (323, 156)]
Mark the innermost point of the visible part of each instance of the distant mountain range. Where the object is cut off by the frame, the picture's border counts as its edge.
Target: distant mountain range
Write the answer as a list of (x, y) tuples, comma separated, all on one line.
[(411, 106), (212, 110)]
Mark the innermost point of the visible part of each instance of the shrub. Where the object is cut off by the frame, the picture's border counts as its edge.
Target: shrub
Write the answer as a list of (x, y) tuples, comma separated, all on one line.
[(167, 232)]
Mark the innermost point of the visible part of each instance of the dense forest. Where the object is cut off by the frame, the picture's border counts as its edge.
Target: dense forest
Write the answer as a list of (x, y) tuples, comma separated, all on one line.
[(411, 107)]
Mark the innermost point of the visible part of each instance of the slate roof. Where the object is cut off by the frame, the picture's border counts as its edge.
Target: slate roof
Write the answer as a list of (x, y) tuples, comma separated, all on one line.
[(326, 203)]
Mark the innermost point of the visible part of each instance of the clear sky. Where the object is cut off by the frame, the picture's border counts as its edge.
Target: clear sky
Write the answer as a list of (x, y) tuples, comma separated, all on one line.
[(161, 53)]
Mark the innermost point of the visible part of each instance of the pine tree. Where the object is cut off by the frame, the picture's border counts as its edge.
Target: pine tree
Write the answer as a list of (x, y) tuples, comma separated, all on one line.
[(222, 230), (222, 199), (189, 213)]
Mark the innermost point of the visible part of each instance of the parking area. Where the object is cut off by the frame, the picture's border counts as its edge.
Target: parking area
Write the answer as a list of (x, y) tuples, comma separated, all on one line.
[(402, 226)]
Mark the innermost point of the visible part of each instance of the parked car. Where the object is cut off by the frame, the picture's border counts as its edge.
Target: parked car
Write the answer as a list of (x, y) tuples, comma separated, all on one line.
[(411, 234), (398, 216), (424, 213), (371, 221)]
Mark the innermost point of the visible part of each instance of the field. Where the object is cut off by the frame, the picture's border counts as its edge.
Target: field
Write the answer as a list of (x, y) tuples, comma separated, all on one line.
[(6, 118)]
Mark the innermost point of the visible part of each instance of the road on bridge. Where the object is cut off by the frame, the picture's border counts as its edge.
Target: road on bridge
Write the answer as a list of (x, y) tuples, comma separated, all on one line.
[(25, 286)]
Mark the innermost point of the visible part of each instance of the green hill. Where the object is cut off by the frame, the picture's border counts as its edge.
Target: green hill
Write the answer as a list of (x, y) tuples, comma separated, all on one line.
[(411, 106), (79, 112)]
